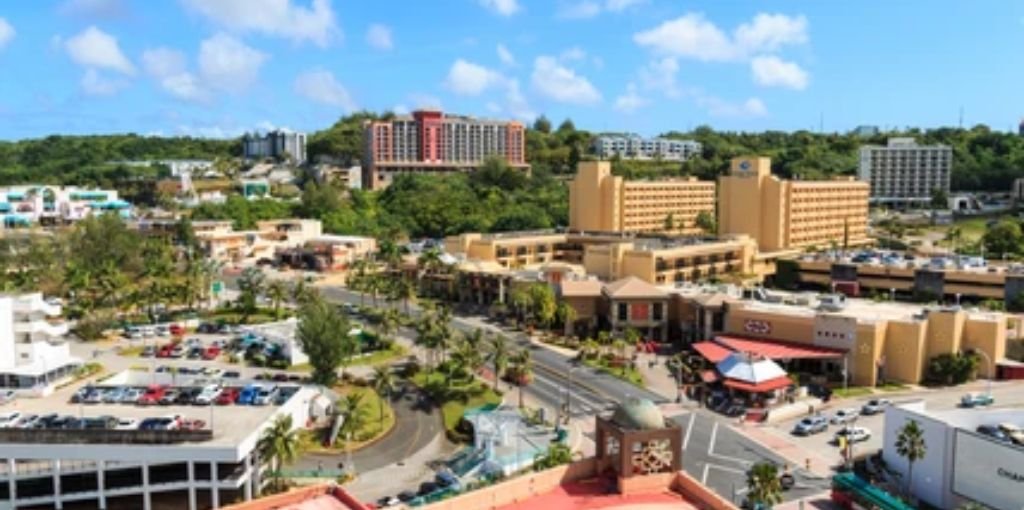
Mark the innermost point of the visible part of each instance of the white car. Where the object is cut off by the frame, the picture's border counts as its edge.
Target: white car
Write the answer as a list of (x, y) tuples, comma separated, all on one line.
[(208, 394), (127, 424), (844, 416), (265, 395), (131, 395), (875, 406), (212, 372), (26, 421), (7, 396), (852, 434), (8, 420)]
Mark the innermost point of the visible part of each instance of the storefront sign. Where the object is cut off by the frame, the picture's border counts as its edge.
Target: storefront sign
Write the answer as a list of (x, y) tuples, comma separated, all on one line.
[(757, 327)]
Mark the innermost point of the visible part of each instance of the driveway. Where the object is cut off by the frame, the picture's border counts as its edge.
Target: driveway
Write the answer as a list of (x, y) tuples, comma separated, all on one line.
[(417, 423)]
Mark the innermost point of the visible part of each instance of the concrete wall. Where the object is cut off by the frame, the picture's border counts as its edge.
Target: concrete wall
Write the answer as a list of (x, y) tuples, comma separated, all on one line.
[(517, 489), (698, 494), (988, 336), (905, 348)]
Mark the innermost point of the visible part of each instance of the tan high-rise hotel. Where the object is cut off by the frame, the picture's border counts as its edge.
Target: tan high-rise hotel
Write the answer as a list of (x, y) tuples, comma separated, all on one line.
[(600, 201)]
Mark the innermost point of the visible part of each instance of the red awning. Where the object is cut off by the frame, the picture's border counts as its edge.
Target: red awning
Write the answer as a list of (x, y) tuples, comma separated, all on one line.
[(761, 387), (709, 376), (772, 349), (711, 351)]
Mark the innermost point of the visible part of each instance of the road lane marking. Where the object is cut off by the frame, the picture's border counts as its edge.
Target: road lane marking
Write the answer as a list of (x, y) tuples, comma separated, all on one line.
[(689, 430), (711, 449)]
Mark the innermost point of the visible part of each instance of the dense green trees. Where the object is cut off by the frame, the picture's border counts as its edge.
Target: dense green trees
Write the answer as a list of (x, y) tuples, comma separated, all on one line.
[(323, 334)]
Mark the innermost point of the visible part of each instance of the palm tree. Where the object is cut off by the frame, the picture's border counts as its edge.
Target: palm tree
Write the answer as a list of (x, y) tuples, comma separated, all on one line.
[(277, 291), (466, 356), (384, 384), (406, 291), (499, 356), (389, 322), (763, 485), (280, 444), (349, 409), (567, 316), (557, 454), (522, 367), (911, 446)]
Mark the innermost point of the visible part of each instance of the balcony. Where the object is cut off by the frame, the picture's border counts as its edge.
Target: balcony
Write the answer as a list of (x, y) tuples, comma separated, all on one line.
[(34, 303), (33, 328)]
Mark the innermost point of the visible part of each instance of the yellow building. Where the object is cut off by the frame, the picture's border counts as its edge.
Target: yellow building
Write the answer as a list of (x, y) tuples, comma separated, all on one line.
[(785, 214), (599, 201), (655, 260), (874, 341)]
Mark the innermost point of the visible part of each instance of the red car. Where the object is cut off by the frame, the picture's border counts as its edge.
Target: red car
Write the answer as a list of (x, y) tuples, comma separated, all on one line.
[(211, 352), (177, 330), (165, 351), (152, 395), (227, 396)]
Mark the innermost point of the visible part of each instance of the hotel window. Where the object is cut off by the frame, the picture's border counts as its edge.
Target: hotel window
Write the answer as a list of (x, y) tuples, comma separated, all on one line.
[(623, 313), (656, 313)]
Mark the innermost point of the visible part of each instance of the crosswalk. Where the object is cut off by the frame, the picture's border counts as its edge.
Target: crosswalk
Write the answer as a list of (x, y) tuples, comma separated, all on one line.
[(553, 390)]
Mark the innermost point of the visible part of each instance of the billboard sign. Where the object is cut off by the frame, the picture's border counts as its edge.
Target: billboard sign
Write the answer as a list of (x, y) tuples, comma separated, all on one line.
[(987, 471)]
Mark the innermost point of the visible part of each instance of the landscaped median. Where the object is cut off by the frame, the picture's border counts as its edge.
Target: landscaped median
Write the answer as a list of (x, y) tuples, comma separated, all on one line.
[(455, 397), (615, 367), (366, 423)]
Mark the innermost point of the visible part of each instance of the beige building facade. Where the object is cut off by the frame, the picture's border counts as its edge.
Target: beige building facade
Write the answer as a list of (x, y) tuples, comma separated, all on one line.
[(600, 201), (791, 215)]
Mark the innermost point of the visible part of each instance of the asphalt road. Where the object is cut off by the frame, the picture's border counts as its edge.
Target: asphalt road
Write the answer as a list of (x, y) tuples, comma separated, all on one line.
[(554, 373), (417, 423), (719, 457)]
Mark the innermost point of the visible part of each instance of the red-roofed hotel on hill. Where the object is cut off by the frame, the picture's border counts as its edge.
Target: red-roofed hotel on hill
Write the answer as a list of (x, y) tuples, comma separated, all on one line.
[(430, 141)]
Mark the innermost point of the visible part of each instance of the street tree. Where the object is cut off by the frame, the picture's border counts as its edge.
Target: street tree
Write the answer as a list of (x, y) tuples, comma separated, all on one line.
[(764, 489), (323, 334), (384, 383), (280, 444), (499, 356), (706, 222), (277, 292), (250, 285)]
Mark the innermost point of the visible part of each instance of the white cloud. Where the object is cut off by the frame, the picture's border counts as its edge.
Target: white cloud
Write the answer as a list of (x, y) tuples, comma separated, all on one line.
[(562, 84), (693, 36), (621, 5), (502, 7), (516, 103), (103, 9), (379, 36), (320, 86), (631, 101), (7, 33), (94, 48), (493, 107), (420, 100), (574, 53), (469, 79), (400, 109), (506, 56), (689, 36), (660, 75), (774, 72), (279, 18), (94, 84), (584, 9), (170, 70), (769, 32), (718, 107), (228, 64)]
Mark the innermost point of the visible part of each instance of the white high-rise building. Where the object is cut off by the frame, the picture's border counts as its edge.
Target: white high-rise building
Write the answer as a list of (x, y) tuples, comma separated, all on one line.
[(635, 147), (903, 172), (275, 144), (34, 354)]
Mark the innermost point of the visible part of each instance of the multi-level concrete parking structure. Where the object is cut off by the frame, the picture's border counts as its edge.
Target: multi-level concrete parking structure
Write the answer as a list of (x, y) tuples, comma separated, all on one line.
[(635, 147), (903, 172), (430, 141)]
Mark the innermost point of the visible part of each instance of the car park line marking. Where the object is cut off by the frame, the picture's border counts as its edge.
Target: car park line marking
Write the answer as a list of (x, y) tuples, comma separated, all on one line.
[(689, 430), (711, 449)]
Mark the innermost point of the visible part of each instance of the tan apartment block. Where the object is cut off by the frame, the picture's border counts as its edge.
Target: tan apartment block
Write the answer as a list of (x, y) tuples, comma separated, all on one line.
[(786, 214), (600, 201)]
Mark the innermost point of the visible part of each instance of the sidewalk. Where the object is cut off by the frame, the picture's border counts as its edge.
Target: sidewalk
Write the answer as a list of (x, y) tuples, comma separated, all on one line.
[(822, 501)]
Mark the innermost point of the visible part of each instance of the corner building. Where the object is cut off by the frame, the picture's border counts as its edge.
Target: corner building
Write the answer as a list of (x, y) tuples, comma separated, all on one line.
[(791, 215)]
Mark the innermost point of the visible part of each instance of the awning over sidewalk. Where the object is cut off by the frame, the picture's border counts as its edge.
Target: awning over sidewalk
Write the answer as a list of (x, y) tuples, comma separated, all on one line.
[(711, 351), (760, 387), (771, 349)]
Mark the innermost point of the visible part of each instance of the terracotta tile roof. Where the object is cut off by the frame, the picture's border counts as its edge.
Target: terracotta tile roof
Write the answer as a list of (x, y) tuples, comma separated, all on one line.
[(633, 287), (580, 288)]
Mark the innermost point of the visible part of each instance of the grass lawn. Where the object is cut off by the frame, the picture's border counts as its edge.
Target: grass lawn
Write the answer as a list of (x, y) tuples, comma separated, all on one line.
[(131, 351), (626, 373), (456, 398), (373, 359), (851, 392), (373, 427), (971, 229), (260, 316), (891, 386)]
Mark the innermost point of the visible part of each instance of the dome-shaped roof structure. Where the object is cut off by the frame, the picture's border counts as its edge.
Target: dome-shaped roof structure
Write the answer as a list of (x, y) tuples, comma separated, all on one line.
[(638, 414)]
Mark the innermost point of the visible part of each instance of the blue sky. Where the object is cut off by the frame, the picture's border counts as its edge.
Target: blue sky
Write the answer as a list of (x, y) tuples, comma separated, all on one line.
[(219, 67)]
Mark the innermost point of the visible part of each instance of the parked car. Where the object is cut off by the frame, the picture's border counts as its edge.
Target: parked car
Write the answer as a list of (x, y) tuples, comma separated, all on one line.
[(206, 327), (211, 352), (231, 374), (152, 395), (176, 329), (875, 406), (80, 394), (177, 351), (114, 395), (170, 397), (227, 396), (844, 416), (388, 502), (977, 400), (100, 423), (131, 395), (162, 330), (994, 432), (248, 394), (195, 352), (852, 434), (7, 396), (187, 396), (212, 372), (209, 393), (7, 420), (1015, 433), (127, 424), (44, 421), (148, 351), (94, 397), (811, 425), (406, 496), (265, 395)]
